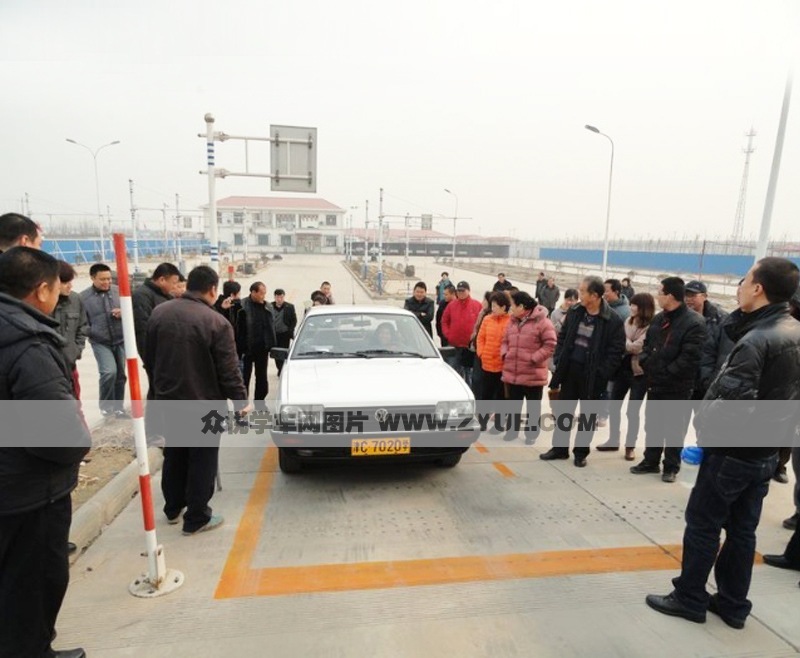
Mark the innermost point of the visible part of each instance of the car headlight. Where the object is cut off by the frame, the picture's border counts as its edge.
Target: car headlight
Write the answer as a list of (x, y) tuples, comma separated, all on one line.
[(292, 414), (455, 409)]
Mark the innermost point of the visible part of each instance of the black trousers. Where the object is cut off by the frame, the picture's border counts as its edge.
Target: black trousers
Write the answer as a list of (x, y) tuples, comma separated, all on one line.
[(665, 427), (533, 405), (573, 389), (492, 386), (283, 341), (258, 361), (34, 573), (187, 480)]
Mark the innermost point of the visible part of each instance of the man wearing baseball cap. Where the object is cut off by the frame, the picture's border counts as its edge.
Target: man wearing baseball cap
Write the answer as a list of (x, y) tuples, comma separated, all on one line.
[(696, 297), (457, 323)]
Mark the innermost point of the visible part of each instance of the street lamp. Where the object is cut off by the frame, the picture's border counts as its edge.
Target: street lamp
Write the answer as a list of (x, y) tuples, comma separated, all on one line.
[(94, 153), (455, 218), (348, 249), (608, 210)]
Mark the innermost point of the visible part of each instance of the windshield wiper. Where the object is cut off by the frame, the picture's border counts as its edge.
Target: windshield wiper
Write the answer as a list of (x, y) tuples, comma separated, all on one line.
[(377, 352), (334, 354)]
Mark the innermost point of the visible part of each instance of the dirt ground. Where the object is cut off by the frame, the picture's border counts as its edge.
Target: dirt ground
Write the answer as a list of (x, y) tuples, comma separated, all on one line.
[(112, 450)]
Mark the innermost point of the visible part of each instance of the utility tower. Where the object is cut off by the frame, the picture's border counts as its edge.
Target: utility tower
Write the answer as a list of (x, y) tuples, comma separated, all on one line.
[(738, 222)]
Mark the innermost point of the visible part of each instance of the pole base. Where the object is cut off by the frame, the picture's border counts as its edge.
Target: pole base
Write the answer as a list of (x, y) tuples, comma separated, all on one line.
[(144, 589)]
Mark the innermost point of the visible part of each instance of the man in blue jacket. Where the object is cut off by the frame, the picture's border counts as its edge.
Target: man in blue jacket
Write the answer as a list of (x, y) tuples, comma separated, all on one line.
[(39, 456)]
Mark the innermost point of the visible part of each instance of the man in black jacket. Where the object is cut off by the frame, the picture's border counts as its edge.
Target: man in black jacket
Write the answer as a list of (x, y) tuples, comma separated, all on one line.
[(256, 327), (590, 348), (733, 479), (285, 323), (714, 316), (421, 306), (191, 356), (156, 290), (39, 457), (448, 295), (670, 359)]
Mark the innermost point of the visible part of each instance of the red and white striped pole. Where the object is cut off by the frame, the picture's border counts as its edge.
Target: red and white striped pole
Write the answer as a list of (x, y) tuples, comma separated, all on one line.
[(158, 579)]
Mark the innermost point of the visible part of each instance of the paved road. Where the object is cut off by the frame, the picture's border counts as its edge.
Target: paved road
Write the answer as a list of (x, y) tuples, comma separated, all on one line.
[(505, 555)]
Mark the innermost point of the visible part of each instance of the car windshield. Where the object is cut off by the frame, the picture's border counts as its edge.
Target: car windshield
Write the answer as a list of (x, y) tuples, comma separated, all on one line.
[(362, 335)]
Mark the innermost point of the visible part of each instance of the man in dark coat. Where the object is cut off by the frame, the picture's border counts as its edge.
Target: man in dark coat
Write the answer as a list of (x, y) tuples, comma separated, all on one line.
[(39, 458), (156, 290), (449, 294), (421, 306), (738, 461), (697, 300), (670, 359), (191, 355), (256, 327), (502, 284), (285, 323), (73, 325), (590, 348)]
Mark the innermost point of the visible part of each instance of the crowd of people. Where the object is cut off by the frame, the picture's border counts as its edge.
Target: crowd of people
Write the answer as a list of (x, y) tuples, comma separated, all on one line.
[(600, 343)]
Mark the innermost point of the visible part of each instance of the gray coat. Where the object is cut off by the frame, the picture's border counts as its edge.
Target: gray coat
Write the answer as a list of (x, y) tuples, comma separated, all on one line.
[(73, 326), (548, 297), (104, 328)]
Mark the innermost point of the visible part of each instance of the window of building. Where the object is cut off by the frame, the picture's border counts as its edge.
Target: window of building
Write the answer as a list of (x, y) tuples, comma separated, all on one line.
[(309, 221), (330, 220), (330, 241), (286, 241), (238, 218), (238, 239), (263, 239), (255, 217), (286, 220), (187, 222)]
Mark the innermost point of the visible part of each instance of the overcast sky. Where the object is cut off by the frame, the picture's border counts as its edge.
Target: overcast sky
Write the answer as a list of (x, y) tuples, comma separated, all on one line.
[(486, 99)]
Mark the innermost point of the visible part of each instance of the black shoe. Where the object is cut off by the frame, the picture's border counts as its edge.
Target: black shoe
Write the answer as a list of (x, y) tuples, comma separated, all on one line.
[(791, 522), (781, 562), (608, 446), (66, 653), (554, 453), (580, 462), (713, 606), (669, 605), (71, 548), (669, 476), (780, 475), (645, 466)]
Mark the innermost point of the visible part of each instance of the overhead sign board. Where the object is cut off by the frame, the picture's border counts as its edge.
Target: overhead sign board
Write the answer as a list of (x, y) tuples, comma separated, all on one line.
[(293, 161), (427, 222)]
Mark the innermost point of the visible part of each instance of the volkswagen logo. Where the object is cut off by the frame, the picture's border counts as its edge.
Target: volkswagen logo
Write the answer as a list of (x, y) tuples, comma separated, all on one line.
[(381, 415)]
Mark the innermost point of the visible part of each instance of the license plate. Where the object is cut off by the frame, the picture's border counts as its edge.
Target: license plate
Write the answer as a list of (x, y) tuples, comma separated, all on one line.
[(378, 447)]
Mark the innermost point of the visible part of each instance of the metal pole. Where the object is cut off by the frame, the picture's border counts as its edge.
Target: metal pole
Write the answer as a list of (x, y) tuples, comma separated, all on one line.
[(405, 264), (380, 244), (608, 208), (166, 230), (366, 231), (455, 219), (212, 201), (178, 228), (135, 233), (99, 214), (763, 238)]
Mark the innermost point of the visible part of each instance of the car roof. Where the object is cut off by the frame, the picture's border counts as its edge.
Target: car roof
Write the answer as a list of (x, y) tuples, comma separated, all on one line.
[(337, 309)]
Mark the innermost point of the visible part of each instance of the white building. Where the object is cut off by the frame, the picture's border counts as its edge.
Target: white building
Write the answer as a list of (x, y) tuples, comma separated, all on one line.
[(257, 225)]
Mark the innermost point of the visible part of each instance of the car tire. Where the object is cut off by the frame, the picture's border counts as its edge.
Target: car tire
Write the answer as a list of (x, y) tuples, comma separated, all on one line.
[(289, 462), (449, 461)]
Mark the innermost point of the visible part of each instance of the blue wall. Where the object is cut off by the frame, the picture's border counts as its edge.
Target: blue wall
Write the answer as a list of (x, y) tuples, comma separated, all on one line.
[(661, 262), (88, 251)]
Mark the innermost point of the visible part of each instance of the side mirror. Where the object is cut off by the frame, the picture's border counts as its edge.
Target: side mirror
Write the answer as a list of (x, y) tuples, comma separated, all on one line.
[(279, 353), (446, 351)]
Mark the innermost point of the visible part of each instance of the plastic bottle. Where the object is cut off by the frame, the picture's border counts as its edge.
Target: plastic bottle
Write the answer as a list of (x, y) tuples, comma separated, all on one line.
[(692, 455)]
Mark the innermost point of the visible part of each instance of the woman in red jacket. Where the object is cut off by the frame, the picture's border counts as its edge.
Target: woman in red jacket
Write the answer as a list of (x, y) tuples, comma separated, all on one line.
[(489, 342), (528, 344)]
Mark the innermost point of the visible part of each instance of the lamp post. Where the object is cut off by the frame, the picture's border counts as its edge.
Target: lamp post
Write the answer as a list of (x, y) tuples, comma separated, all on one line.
[(608, 210), (348, 249), (94, 153), (455, 218)]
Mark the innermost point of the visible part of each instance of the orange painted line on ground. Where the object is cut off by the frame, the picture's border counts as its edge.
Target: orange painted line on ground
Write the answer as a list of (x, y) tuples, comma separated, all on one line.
[(480, 447), (505, 470), (238, 579), (236, 574)]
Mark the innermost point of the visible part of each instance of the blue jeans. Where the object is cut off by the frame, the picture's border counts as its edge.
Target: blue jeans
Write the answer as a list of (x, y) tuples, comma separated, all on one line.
[(111, 364), (729, 494)]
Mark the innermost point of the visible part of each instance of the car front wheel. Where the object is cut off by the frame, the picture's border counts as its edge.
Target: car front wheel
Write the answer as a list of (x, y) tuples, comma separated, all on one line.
[(288, 462), (449, 461)]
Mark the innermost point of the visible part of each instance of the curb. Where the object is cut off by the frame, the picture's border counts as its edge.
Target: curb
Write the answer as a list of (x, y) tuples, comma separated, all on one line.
[(102, 508)]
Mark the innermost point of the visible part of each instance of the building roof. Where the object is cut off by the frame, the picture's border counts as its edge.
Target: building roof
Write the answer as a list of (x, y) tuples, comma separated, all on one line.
[(400, 234), (275, 203)]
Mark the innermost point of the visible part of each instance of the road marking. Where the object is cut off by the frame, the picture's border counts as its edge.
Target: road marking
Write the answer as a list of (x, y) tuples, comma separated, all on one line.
[(238, 579), (505, 470), (480, 447)]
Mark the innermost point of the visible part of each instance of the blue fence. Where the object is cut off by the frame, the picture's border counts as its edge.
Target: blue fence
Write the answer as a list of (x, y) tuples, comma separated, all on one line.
[(662, 262), (88, 251)]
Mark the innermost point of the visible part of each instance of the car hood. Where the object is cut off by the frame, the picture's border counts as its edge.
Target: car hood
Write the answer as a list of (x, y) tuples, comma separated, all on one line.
[(378, 381)]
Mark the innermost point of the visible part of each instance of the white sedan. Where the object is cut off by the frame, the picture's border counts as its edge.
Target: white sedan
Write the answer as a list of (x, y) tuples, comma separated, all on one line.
[(368, 383)]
